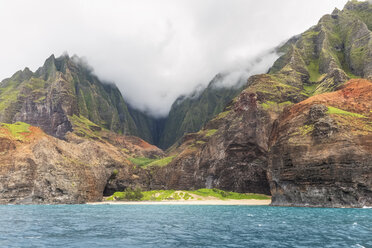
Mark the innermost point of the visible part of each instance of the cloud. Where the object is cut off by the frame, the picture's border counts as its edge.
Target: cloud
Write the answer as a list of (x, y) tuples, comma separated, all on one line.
[(241, 70), (154, 51)]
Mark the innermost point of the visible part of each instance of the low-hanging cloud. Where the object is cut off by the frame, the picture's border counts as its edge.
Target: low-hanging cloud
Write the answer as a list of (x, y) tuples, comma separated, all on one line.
[(240, 72), (154, 51)]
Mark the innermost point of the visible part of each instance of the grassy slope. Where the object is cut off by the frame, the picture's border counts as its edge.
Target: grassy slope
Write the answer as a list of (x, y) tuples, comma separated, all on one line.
[(337, 33), (148, 162), (333, 110), (161, 195), (17, 131)]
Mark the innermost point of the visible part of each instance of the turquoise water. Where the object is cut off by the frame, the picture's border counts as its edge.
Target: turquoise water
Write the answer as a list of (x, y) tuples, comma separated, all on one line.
[(183, 226)]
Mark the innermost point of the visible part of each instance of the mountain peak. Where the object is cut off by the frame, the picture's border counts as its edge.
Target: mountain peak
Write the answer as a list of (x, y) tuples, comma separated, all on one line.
[(50, 60), (357, 5), (53, 64), (335, 12)]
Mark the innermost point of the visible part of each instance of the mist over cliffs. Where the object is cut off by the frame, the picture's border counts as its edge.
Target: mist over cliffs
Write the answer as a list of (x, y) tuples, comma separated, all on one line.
[(255, 143), (300, 131), (63, 87)]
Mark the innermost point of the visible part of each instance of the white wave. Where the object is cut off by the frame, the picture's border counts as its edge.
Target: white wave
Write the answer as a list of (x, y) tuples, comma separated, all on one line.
[(360, 246)]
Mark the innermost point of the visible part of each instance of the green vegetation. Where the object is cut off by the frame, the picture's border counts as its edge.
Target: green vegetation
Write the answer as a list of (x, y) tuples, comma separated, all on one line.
[(350, 75), (276, 87), (225, 195), (206, 133), (191, 113), (128, 195), (36, 84), (85, 128), (222, 115), (154, 195), (306, 129), (362, 11), (210, 132), (148, 162), (307, 46), (8, 95), (358, 56), (333, 110), (141, 161), (313, 69), (17, 130), (161, 162), (161, 195), (310, 34), (271, 105), (310, 89)]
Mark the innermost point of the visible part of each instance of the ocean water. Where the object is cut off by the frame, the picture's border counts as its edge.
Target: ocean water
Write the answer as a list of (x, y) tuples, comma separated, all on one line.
[(183, 226)]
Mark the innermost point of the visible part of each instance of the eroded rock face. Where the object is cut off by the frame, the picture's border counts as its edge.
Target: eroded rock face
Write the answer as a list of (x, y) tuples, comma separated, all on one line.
[(41, 169), (313, 156), (51, 113), (310, 151), (232, 158), (324, 158), (61, 88)]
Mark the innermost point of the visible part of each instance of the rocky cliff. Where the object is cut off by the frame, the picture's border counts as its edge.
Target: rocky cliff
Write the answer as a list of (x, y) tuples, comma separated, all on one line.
[(63, 87), (225, 155), (321, 150), (235, 150), (299, 132), (37, 168), (231, 151), (189, 113), (66, 86)]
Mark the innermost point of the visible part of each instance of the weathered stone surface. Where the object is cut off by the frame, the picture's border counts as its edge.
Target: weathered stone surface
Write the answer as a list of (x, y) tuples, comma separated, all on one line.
[(232, 157), (51, 113), (63, 87), (41, 169), (322, 159), (312, 156)]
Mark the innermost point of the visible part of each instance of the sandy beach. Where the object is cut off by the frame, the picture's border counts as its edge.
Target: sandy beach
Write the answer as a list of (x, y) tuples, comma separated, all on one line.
[(189, 202)]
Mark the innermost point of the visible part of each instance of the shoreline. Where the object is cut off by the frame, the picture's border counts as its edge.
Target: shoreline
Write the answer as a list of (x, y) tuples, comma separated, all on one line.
[(245, 202)]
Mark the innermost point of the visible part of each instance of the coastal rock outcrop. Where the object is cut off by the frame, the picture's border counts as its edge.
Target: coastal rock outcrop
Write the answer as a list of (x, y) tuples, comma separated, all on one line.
[(321, 150), (298, 132), (39, 169), (231, 151)]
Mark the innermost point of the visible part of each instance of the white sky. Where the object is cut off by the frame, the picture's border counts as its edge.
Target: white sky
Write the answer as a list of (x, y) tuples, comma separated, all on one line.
[(153, 50)]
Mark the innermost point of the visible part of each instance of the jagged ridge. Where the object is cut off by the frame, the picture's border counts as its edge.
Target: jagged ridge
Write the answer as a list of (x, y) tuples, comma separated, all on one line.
[(233, 151), (61, 88)]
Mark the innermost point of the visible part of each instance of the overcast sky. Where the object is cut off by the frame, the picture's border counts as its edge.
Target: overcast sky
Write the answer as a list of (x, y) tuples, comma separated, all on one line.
[(153, 50)]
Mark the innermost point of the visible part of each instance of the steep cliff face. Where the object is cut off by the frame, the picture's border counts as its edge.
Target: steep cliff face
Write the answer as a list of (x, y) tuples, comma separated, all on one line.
[(321, 153), (37, 168), (149, 128), (232, 157), (236, 152), (231, 151), (298, 132), (63, 87), (66, 86), (339, 44), (189, 114)]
